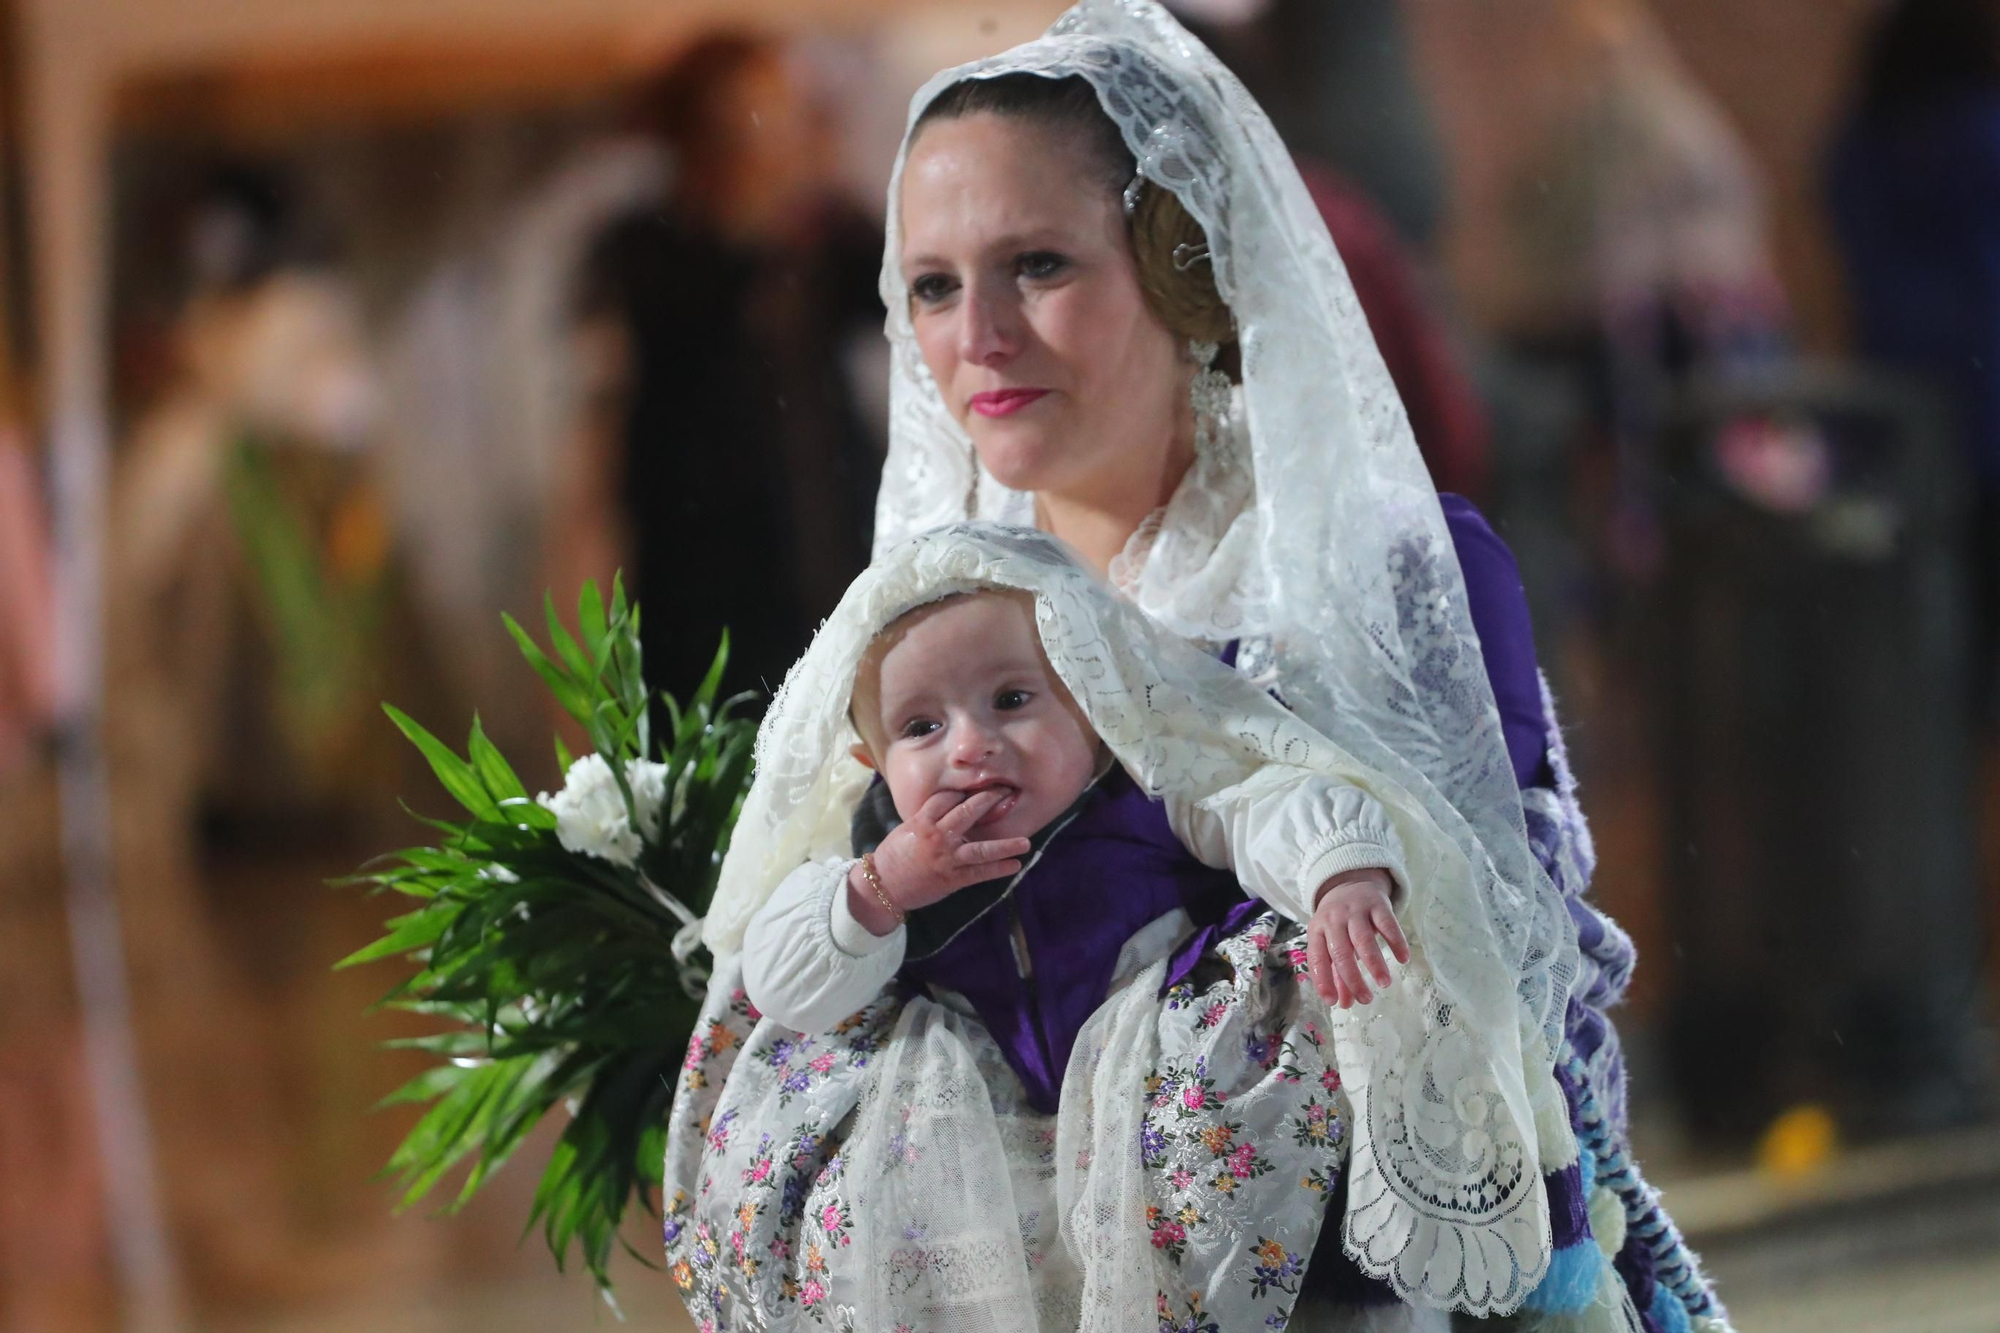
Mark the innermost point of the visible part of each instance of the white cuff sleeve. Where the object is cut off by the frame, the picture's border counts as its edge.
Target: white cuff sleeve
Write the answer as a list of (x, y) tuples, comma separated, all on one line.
[(1284, 832), (800, 963), (853, 938)]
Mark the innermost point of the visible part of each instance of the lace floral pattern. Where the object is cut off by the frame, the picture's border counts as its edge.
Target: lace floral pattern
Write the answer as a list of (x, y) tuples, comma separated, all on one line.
[(1243, 1133), (907, 1185), (754, 1216)]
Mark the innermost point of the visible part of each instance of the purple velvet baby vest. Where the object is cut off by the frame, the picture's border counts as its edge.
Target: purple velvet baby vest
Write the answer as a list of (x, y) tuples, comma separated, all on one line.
[(1035, 956)]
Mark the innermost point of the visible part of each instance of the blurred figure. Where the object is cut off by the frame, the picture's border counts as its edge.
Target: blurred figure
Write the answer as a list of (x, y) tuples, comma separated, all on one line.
[(745, 467), (1641, 243), (1914, 187), (249, 563), (1803, 652), (1614, 238), (251, 600)]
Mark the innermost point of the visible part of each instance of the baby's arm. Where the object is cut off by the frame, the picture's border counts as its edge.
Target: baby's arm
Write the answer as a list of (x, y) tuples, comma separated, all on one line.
[(806, 961), (1319, 850), (828, 941)]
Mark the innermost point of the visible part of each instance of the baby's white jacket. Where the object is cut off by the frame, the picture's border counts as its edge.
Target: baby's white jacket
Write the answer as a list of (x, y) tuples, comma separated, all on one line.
[(1283, 832)]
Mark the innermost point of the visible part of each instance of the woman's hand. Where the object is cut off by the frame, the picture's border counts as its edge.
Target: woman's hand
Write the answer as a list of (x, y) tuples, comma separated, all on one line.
[(1351, 913), (929, 857)]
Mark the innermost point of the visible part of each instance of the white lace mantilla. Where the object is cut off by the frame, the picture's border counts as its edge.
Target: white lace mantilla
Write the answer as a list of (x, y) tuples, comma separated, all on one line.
[(1448, 1142), (1316, 542)]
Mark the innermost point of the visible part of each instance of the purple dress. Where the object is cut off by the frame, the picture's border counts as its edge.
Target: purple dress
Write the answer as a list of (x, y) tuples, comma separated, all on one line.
[(1499, 609)]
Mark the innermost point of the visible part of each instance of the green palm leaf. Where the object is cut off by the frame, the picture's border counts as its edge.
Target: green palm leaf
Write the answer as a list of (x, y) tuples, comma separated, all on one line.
[(554, 969)]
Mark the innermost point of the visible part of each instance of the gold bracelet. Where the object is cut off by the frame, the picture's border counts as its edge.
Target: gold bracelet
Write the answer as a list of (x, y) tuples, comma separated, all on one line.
[(875, 883)]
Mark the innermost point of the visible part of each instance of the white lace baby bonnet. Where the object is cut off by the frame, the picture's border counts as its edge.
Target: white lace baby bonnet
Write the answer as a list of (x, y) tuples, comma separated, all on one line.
[(1314, 538), (1445, 1196)]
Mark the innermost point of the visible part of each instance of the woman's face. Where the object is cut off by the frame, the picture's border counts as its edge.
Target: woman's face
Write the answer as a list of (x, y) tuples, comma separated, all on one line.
[(1029, 314)]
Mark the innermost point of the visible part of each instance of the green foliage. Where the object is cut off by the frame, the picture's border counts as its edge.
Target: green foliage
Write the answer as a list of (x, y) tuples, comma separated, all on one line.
[(556, 970)]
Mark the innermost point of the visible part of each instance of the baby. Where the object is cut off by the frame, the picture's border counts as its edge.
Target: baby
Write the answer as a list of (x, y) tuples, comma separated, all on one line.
[(1041, 1013), (981, 748)]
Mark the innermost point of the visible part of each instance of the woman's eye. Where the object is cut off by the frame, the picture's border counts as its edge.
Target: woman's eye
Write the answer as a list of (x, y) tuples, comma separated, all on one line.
[(1008, 700), (918, 726), (931, 288), (1041, 264)]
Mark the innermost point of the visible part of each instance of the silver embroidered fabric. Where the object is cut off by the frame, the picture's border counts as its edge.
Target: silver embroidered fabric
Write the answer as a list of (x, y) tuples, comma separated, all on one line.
[(1455, 1123), (1315, 541)]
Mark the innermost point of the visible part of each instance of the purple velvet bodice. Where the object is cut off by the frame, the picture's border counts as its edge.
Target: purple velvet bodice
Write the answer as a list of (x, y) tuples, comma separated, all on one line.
[(1499, 609), (1038, 961)]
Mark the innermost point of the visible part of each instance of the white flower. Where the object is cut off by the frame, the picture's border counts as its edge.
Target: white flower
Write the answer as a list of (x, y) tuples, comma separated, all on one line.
[(649, 792), (590, 813)]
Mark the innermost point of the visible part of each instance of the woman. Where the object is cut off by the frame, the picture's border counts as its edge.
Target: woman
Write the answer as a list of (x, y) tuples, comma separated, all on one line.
[(749, 284), (1115, 314)]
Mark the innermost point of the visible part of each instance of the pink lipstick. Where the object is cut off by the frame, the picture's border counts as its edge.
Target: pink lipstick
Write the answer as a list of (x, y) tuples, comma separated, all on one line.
[(1004, 402)]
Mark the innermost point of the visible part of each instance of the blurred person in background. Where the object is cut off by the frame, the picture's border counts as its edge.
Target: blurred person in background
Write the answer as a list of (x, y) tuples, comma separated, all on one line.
[(1613, 242), (499, 433), (250, 558), (251, 594), (743, 460), (1913, 184), (1639, 250)]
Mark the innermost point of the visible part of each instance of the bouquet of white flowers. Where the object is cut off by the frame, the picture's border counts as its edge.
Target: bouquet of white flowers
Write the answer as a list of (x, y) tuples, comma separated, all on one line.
[(558, 933)]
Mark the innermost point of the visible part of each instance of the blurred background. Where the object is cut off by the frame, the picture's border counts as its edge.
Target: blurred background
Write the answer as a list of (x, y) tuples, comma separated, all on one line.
[(330, 331)]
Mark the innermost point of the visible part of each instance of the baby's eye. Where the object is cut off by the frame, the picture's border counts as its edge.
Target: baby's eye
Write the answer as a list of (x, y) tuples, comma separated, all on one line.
[(932, 288), (1008, 700), (1040, 264), (917, 727)]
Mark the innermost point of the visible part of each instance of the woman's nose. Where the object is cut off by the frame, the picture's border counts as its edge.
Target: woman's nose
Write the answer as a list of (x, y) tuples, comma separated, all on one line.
[(988, 331)]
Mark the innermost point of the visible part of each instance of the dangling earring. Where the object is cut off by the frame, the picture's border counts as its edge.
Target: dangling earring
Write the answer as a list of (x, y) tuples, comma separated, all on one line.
[(1210, 394)]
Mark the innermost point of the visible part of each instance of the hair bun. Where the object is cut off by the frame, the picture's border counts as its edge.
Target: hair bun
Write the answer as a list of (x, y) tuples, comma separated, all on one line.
[(1177, 275)]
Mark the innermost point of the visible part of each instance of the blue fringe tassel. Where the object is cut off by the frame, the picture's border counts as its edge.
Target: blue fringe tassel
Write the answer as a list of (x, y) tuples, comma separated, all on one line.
[(1668, 1313), (1572, 1280)]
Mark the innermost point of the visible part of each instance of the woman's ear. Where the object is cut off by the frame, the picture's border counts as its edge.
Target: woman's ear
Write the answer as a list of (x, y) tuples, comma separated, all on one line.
[(860, 752)]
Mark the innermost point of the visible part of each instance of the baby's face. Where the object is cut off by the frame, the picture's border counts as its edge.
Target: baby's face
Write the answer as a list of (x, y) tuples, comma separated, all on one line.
[(964, 701)]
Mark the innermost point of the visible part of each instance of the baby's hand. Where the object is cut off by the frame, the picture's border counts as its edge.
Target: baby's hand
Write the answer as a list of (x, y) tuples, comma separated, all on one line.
[(928, 857), (1351, 911)]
